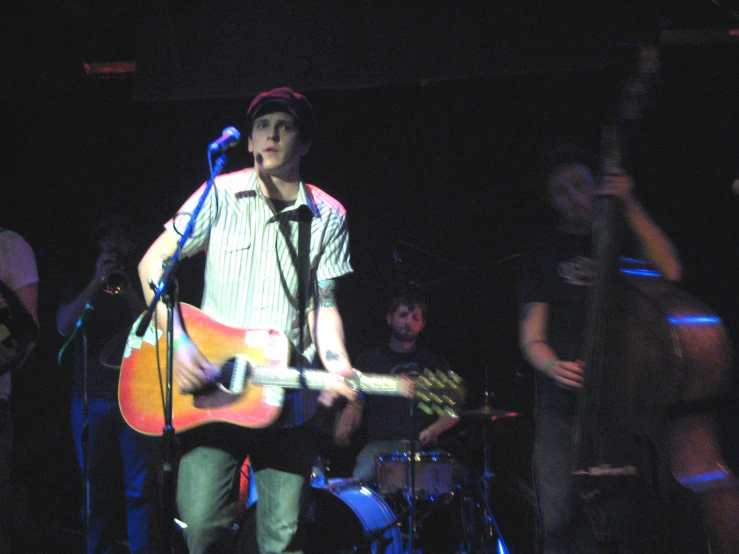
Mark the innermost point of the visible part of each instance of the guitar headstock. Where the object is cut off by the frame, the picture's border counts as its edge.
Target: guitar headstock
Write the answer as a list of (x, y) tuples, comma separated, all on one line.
[(439, 392), (644, 75), (634, 100)]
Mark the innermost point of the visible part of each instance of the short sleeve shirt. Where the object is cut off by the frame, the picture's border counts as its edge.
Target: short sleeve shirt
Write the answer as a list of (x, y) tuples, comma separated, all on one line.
[(558, 271), (391, 417), (251, 268)]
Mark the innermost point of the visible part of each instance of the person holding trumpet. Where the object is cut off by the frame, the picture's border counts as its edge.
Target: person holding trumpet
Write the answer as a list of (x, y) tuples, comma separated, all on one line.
[(118, 465)]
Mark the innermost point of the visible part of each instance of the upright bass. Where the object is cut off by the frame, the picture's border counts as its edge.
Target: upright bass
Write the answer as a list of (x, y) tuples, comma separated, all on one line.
[(658, 366)]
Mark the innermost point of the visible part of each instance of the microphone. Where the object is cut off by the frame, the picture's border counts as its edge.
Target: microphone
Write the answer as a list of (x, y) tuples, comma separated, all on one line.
[(229, 138)]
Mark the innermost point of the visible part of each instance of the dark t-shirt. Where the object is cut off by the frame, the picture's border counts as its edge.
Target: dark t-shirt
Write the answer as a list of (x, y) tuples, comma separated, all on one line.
[(106, 327), (389, 417), (558, 270)]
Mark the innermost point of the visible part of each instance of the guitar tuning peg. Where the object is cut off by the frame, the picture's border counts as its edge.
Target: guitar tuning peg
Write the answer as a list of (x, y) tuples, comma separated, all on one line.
[(426, 408), (451, 413), (448, 401), (437, 378), (454, 377)]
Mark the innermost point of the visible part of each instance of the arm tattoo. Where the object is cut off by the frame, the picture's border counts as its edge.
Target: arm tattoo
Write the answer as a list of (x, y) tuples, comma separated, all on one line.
[(332, 356), (326, 294)]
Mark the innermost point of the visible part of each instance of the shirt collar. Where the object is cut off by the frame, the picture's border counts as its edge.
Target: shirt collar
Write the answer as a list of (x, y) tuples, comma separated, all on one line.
[(304, 198)]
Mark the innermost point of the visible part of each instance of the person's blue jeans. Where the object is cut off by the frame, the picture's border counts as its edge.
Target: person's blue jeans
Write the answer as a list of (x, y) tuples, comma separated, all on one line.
[(121, 462)]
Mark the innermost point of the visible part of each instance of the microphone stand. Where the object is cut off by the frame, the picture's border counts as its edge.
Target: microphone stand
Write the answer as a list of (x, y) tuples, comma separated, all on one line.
[(166, 282), (85, 437), (85, 433)]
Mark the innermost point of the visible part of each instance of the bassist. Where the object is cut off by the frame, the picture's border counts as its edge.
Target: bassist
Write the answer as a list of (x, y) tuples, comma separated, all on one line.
[(559, 270)]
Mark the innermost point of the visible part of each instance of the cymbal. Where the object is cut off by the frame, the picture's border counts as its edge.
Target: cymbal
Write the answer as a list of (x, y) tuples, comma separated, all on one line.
[(488, 413)]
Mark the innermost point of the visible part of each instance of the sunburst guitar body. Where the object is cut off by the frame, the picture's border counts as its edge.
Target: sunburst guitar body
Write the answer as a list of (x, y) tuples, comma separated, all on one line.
[(254, 376)]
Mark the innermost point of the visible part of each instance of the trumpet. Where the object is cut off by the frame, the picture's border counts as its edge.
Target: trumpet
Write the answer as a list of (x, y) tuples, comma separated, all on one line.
[(116, 280)]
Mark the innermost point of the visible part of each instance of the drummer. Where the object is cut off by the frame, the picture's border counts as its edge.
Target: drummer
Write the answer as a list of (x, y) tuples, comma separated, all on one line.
[(388, 424)]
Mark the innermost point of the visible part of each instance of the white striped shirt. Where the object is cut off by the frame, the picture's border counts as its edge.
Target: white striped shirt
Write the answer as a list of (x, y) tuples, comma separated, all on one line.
[(251, 263)]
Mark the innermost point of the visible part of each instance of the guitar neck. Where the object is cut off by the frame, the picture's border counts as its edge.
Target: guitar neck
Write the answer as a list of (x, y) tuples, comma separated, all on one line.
[(293, 378)]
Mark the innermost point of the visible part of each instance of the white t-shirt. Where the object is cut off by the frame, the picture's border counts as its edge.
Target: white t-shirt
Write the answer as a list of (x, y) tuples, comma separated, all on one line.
[(17, 269)]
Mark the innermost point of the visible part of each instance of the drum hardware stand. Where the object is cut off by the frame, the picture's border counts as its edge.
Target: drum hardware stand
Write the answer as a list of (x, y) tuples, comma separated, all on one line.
[(491, 526), (411, 493), (491, 530)]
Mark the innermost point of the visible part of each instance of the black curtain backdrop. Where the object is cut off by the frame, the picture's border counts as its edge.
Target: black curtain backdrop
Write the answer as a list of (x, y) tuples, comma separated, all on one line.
[(234, 49)]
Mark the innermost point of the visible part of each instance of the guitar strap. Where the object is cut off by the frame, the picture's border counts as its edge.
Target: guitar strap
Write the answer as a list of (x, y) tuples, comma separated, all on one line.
[(305, 215), (304, 407)]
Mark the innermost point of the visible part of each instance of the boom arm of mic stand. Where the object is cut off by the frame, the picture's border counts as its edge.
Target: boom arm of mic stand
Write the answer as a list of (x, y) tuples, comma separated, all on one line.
[(169, 270)]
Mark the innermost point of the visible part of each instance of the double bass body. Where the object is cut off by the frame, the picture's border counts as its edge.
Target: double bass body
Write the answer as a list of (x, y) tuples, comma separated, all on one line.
[(664, 373)]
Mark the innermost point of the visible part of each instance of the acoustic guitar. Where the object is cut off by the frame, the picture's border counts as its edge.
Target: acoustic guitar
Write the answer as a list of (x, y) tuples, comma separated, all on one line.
[(254, 376)]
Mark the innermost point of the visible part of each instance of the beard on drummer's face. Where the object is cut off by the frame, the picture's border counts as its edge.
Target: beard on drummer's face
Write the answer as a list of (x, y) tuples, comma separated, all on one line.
[(406, 324)]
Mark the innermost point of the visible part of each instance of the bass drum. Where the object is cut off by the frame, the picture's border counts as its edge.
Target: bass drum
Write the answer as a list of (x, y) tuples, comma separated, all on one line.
[(350, 517)]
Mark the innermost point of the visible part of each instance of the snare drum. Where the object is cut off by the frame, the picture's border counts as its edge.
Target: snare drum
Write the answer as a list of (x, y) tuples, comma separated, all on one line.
[(433, 474), (350, 517)]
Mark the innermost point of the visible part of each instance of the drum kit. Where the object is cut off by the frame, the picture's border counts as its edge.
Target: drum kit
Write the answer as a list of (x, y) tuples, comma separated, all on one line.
[(422, 502)]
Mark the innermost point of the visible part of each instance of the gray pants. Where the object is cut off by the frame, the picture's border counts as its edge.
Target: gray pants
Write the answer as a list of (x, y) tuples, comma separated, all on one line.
[(206, 502)]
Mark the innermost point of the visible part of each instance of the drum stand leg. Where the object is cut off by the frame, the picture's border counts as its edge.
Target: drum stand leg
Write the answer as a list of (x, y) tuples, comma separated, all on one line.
[(493, 542), (492, 539), (410, 497)]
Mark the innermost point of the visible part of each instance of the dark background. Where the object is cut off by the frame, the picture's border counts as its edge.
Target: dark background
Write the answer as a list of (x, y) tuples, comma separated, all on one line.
[(430, 120)]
